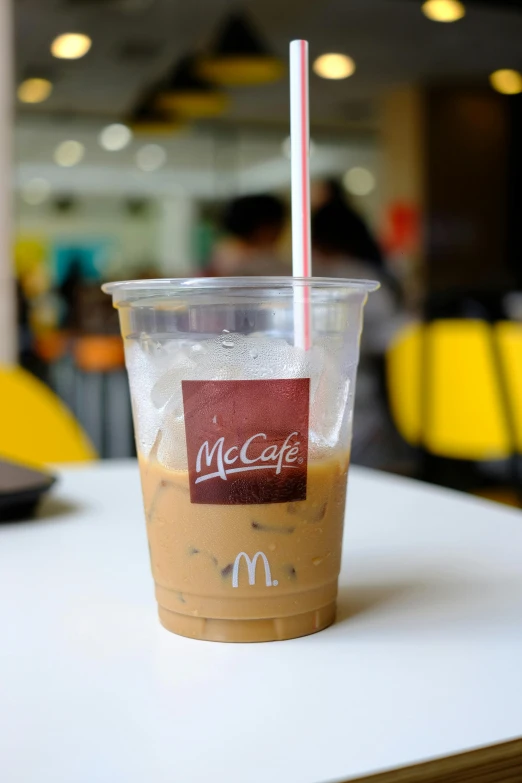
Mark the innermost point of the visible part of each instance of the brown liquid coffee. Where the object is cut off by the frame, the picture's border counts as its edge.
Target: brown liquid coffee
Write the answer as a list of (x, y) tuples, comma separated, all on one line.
[(243, 573)]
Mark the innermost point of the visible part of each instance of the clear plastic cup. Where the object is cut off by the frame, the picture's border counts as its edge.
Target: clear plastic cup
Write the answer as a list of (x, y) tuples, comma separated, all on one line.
[(243, 442)]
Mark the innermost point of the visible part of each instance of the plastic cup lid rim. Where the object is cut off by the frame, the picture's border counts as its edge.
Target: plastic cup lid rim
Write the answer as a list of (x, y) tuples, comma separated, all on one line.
[(223, 283)]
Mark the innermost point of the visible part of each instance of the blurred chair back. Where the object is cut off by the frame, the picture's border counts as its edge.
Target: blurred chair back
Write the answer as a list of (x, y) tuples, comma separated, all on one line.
[(51, 346), (35, 427), (102, 401), (455, 388)]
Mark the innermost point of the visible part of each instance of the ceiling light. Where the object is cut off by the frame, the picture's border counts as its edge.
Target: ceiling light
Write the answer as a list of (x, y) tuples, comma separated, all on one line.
[(148, 119), (334, 66), (150, 157), (239, 57), (70, 46), (34, 90), (443, 10), (359, 181), (115, 137), (36, 191), (69, 153), (506, 81), (188, 95)]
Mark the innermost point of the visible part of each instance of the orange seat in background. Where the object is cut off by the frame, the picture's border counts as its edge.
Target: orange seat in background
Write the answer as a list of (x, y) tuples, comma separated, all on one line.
[(35, 426), (52, 345), (99, 353)]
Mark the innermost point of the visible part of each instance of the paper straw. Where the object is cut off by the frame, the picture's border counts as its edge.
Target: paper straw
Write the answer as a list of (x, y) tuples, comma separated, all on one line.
[(300, 146)]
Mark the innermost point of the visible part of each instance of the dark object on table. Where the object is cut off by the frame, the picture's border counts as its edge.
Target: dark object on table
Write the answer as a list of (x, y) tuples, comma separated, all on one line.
[(20, 490)]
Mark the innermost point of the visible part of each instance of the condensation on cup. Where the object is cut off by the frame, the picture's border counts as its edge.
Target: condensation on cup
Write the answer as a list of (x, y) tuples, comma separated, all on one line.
[(243, 442)]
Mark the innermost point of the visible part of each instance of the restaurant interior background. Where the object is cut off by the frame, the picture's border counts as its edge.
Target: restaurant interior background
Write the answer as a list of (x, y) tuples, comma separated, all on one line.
[(132, 136)]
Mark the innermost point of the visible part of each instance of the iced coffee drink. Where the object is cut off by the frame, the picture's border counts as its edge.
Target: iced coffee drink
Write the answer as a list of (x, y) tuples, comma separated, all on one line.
[(243, 442), (246, 572)]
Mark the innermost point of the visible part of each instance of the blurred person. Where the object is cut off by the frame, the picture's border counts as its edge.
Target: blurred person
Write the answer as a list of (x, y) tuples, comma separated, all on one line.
[(253, 227), (69, 291), (343, 232), (26, 353), (344, 247), (147, 271)]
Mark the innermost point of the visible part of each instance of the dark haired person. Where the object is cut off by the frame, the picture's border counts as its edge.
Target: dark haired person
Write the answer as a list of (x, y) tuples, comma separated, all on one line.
[(344, 247), (253, 226)]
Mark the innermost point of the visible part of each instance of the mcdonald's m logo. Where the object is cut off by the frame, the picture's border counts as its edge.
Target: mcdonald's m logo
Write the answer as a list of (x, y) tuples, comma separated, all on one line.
[(251, 568)]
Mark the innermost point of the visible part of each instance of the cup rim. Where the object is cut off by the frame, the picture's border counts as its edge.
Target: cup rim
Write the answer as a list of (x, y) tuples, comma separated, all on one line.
[(179, 284)]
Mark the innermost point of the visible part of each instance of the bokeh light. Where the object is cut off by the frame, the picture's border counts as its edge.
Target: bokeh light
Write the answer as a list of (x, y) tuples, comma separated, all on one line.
[(506, 81), (34, 90), (334, 66), (151, 157), (359, 181), (69, 153), (71, 46), (115, 137), (36, 191), (444, 10)]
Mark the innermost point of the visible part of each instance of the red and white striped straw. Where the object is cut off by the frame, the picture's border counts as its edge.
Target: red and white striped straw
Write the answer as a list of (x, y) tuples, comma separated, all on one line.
[(300, 146)]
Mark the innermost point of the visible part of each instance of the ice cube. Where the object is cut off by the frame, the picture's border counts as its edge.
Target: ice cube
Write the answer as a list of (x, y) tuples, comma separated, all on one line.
[(330, 402), (157, 369), (148, 361), (168, 384), (172, 451)]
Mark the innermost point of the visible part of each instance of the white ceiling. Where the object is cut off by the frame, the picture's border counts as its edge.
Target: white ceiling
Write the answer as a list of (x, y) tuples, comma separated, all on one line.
[(390, 40), (199, 163)]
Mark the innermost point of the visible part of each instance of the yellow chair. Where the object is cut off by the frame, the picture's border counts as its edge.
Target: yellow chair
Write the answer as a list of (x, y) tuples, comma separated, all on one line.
[(35, 427), (509, 336), (455, 388)]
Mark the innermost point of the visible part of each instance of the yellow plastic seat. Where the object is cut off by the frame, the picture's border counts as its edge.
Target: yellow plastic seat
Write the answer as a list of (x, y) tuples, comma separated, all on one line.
[(35, 427), (455, 388), (509, 336)]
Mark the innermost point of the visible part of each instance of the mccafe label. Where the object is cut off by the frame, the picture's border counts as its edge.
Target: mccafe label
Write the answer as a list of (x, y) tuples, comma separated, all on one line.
[(247, 441)]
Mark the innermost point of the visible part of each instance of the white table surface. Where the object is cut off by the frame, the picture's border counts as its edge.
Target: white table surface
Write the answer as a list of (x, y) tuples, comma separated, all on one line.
[(425, 660)]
